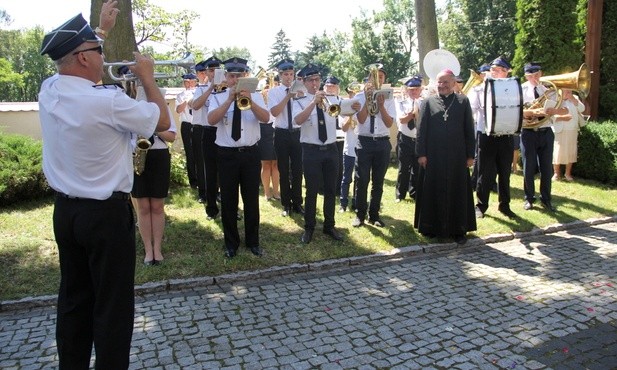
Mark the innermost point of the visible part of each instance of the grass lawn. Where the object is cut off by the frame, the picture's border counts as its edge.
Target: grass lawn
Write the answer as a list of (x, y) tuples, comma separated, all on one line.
[(193, 245)]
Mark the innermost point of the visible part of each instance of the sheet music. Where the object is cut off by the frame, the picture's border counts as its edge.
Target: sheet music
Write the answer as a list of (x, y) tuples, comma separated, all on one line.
[(219, 76), (346, 109), (298, 86), (247, 83), (387, 93)]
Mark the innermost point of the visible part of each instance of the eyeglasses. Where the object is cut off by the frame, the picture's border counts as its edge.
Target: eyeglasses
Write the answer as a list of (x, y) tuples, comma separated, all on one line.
[(98, 49)]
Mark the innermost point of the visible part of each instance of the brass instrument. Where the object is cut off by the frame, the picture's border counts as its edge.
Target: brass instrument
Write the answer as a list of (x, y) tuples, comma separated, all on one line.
[(333, 110), (220, 87), (474, 80), (243, 102), (579, 81), (139, 156), (187, 62), (373, 84)]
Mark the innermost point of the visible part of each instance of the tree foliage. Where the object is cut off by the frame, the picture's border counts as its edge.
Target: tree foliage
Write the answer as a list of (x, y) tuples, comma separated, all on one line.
[(477, 31), (546, 32), (281, 49)]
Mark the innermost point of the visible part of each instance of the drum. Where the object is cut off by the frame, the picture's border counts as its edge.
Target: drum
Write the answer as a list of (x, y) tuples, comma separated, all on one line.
[(503, 106)]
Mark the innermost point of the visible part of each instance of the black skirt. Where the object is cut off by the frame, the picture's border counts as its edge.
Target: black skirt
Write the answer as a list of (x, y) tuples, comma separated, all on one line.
[(154, 181), (266, 143)]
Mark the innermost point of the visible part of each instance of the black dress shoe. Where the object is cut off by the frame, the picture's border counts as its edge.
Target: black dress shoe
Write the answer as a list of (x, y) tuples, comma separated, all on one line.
[(307, 236), (149, 263), (460, 239), (548, 206), (377, 222), (256, 251), (334, 233), (230, 253), (286, 212), (507, 212), (299, 209)]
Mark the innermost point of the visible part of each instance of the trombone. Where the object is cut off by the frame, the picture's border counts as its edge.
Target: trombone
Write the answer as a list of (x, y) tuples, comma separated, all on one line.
[(187, 62)]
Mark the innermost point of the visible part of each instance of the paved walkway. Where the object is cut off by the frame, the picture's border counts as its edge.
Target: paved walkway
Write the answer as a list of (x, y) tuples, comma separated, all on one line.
[(538, 301)]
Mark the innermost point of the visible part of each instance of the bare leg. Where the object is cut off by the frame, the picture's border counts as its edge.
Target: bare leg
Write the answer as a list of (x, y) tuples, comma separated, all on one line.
[(275, 179), (515, 160), (266, 171), (568, 174), (145, 226), (157, 207), (556, 171)]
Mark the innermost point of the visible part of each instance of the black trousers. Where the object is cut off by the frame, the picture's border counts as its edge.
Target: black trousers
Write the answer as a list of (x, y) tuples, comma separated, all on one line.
[(321, 165), (340, 145), (198, 156), (494, 159), (289, 157), (407, 167), (372, 158), (186, 131), (96, 244), (240, 169), (210, 153), (537, 152)]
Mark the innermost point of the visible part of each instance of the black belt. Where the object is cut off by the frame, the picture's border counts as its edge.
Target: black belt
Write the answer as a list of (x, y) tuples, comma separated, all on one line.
[(375, 138), (239, 149), (116, 195), (541, 129), (320, 147), (287, 130)]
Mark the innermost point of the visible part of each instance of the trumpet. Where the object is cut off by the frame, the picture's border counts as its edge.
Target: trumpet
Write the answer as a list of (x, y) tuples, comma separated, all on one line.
[(187, 62), (333, 110), (243, 102)]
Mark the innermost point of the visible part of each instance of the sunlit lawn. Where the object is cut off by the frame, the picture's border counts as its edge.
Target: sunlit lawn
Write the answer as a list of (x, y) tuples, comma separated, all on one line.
[(193, 245)]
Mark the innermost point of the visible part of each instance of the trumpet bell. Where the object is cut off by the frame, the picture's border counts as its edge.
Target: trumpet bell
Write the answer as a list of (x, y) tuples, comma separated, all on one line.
[(243, 103)]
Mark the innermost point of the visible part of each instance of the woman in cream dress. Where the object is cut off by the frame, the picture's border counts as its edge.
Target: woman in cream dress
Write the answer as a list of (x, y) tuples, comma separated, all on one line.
[(566, 134)]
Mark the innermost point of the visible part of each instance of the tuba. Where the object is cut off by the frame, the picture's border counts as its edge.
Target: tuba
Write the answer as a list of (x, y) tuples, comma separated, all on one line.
[(474, 80), (373, 85), (139, 156), (580, 81)]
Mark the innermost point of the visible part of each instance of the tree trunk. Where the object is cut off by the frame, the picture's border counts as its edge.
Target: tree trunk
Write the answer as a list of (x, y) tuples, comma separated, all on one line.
[(120, 43), (426, 21)]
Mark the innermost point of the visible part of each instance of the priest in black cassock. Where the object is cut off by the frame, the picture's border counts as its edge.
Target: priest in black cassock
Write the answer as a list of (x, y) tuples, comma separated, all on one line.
[(445, 150)]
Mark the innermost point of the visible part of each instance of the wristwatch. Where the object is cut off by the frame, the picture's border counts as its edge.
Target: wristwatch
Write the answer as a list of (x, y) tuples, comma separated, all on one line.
[(101, 31)]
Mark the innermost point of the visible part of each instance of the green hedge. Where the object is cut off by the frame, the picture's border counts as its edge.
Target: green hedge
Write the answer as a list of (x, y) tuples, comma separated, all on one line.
[(21, 173), (597, 152)]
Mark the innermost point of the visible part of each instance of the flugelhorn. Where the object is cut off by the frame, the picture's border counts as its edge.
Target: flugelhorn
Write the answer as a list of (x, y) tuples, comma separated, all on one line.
[(187, 62), (373, 82)]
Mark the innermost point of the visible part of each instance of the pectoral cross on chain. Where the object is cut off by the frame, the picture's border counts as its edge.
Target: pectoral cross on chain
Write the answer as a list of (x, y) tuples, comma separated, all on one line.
[(445, 116)]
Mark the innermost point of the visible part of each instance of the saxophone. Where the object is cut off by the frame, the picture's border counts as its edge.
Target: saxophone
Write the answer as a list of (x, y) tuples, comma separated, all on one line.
[(139, 156)]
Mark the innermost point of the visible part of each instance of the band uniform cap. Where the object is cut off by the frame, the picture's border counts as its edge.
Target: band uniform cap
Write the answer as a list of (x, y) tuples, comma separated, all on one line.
[(189, 76), (332, 80), (309, 70), (236, 65), (484, 68), (212, 62), (532, 67), (414, 81), (201, 66), (67, 37), (501, 62), (285, 65)]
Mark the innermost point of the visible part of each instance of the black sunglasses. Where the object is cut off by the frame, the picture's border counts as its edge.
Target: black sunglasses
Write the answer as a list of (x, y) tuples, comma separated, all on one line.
[(98, 49)]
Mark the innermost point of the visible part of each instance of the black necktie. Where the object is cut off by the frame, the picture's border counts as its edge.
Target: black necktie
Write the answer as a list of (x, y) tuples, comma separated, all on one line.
[(321, 125), (536, 95), (372, 124), (235, 123), (289, 124)]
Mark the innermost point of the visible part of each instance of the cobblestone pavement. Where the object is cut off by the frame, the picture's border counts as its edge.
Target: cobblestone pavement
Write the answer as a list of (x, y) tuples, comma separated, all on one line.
[(538, 301)]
